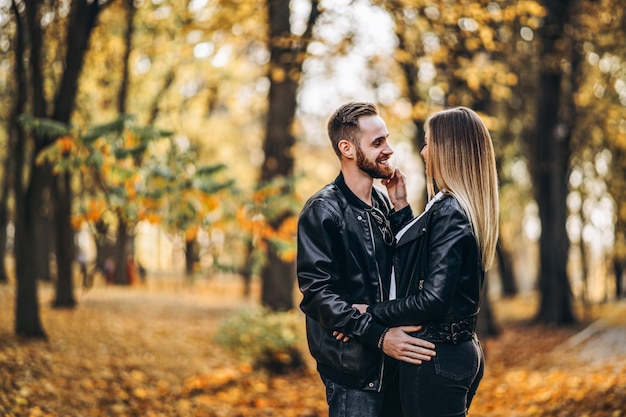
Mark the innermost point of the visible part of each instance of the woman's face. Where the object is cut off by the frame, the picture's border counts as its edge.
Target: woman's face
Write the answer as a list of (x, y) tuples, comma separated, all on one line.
[(424, 151)]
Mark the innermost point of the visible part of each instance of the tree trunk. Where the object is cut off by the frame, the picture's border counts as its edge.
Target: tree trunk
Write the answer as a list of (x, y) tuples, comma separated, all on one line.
[(286, 58), (486, 323), (246, 270), (81, 21), (43, 249), (122, 95), (619, 252), (8, 170), (42, 226), (618, 270), (191, 255), (549, 163), (277, 283), (4, 220), (65, 245), (505, 268), (27, 321), (120, 251)]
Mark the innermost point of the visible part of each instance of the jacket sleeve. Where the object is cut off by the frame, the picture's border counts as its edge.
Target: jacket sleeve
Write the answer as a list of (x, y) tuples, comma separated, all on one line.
[(399, 219), (319, 254), (449, 233)]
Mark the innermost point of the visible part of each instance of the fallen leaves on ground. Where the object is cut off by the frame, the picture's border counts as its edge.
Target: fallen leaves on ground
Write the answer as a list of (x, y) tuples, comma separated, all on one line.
[(150, 352)]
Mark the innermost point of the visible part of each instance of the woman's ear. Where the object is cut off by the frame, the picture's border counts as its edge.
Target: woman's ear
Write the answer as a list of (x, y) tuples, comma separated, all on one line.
[(346, 149)]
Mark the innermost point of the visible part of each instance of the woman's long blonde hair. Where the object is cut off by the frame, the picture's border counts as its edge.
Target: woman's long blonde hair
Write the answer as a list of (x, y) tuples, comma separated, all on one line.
[(461, 161)]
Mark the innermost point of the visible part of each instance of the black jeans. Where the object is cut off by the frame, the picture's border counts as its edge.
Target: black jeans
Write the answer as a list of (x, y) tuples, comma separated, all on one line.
[(352, 402), (445, 385)]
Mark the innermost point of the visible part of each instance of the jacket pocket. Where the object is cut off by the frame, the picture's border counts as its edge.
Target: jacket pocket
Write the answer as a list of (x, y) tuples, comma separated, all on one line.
[(350, 357), (457, 362)]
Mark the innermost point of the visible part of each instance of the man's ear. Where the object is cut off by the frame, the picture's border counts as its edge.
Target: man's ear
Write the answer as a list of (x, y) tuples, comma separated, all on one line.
[(346, 149)]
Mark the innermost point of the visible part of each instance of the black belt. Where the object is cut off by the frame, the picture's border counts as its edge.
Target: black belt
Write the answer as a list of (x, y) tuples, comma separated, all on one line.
[(453, 331)]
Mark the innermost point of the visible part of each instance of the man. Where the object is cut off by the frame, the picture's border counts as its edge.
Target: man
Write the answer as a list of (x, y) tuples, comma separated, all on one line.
[(345, 244)]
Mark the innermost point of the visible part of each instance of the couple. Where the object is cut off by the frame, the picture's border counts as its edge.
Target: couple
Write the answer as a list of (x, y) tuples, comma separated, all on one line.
[(391, 300)]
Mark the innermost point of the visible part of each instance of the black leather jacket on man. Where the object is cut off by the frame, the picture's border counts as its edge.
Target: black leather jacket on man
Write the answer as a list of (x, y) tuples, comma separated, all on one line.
[(438, 270), (337, 267)]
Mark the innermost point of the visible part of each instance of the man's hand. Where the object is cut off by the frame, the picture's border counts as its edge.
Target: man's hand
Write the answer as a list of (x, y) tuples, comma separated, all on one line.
[(396, 188), (403, 347)]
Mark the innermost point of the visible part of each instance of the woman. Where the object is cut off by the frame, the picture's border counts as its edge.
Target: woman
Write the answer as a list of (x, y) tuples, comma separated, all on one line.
[(440, 263)]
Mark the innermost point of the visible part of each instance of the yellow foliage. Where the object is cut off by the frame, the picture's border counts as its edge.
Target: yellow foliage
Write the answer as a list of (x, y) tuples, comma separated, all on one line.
[(77, 221), (472, 78), (472, 44), (66, 145), (153, 218), (130, 188), (278, 74), (403, 56), (511, 79), (420, 111), (191, 233), (130, 139), (288, 228)]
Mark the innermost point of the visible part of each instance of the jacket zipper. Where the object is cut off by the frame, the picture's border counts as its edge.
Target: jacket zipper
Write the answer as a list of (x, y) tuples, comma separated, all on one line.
[(381, 296), (420, 283)]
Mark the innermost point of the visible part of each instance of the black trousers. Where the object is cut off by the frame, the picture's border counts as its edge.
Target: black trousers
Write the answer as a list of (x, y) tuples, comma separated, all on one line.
[(445, 385)]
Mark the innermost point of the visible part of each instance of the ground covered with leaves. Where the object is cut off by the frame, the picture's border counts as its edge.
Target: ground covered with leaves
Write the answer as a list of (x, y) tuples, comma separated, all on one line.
[(150, 351)]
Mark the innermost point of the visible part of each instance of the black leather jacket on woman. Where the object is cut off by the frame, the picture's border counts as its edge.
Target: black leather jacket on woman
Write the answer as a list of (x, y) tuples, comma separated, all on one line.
[(439, 274), (338, 265)]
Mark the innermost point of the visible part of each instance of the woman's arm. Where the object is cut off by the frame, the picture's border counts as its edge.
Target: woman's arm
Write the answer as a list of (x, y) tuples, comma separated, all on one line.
[(431, 296)]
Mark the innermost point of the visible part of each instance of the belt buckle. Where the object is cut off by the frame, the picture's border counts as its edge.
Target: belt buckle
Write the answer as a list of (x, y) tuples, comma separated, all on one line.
[(455, 330)]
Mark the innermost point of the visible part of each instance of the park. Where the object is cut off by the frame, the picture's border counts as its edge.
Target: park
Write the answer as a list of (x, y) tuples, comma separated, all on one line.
[(155, 157)]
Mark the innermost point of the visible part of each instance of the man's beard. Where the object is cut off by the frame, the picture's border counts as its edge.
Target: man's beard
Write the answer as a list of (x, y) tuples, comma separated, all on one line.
[(372, 168)]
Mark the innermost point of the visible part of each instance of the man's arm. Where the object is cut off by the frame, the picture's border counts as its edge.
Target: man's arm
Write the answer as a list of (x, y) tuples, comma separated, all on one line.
[(397, 343), (319, 275)]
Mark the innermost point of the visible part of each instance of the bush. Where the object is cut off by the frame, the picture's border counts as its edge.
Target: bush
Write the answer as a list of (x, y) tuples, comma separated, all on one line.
[(267, 340)]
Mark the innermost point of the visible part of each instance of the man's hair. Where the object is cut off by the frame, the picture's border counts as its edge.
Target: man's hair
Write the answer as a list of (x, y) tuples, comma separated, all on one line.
[(344, 123), (461, 160)]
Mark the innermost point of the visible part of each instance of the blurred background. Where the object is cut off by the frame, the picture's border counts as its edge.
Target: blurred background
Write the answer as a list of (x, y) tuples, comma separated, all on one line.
[(151, 137), (146, 141)]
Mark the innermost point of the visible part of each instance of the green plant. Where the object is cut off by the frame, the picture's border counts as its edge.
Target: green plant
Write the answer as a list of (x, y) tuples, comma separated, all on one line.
[(266, 339)]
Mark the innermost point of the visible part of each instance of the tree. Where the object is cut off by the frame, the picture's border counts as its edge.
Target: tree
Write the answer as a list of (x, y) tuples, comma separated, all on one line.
[(549, 159), (27, 320), (14, 141), (80, 21), (287, 54)]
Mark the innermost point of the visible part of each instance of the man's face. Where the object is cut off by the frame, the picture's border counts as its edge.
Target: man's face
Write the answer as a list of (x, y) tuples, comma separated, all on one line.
[(373, 152)]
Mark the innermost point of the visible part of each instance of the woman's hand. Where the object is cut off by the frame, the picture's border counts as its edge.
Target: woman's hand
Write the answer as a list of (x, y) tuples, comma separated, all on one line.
[(361, 307), (396, 188), (340, 336)]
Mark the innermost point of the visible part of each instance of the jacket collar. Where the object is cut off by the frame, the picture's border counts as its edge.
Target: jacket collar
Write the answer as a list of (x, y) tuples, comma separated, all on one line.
[(352, 199)]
